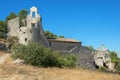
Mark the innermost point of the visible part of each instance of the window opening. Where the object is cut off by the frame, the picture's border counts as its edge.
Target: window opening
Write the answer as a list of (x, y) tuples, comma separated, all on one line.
[(50, 44), (25, 39)]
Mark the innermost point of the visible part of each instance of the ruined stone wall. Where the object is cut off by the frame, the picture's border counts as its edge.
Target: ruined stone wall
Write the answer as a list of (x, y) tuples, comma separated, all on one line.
[(38, 35), (13, 27), (83, 54), (62, 46), (24, 35), (33, 31), (30, 31)]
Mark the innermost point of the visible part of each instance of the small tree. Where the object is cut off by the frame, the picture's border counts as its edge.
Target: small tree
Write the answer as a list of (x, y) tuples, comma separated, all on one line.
[(22, 15), (61, 36), (91, 48), (114, 57), (49, 34), (11, 16), (3, 29)]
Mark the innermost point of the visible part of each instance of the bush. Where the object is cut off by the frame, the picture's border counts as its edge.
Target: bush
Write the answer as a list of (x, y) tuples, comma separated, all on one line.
[(37, 55), (12, 41), (68, 61), (1, 34), (117, 67), (103, 69)]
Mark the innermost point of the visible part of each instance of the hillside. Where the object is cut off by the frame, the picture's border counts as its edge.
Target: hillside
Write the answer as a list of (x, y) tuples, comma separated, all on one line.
[(10, 71)]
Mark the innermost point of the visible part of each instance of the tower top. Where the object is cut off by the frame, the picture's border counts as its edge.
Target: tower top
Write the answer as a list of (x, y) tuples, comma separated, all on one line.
[(33, 9), (102, 48), (34, 12)]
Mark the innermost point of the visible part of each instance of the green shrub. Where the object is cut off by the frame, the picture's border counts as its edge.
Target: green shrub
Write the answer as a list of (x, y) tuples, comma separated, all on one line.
[(37, 55), (12, 41), (117, 66), (103, 69), (68, 61)]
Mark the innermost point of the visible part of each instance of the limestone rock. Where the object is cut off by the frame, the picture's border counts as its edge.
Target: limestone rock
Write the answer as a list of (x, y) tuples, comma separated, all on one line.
[(18, 62), (111, 66)]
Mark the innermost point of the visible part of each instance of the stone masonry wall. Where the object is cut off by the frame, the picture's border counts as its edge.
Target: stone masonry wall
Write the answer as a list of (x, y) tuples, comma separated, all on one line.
[(62, 46), (13, 27), (84, 54)]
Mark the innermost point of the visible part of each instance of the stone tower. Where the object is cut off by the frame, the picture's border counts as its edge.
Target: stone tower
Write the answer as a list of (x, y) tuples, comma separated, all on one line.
[(30, 31)]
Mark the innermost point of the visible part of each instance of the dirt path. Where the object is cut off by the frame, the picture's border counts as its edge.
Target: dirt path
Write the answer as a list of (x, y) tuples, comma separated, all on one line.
[(3, 58)]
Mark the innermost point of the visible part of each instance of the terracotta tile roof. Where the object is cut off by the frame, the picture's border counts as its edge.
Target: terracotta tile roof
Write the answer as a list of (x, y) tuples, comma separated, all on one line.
[(64, 40)]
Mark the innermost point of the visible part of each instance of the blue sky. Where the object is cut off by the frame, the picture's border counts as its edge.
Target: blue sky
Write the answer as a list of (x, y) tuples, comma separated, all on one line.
[(94, 22)]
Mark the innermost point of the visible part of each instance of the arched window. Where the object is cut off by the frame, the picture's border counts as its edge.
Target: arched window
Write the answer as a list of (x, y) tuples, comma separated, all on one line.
[(33, 14)]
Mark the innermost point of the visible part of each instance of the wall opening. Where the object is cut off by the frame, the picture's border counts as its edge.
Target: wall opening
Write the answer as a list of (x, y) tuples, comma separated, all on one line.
[(25, 39), (50, 44), (33, 14), (25, 23), (30, 31), (34, 25)]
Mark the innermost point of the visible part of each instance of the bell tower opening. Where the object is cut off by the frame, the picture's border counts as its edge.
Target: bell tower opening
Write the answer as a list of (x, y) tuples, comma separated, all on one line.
[(33, 14)]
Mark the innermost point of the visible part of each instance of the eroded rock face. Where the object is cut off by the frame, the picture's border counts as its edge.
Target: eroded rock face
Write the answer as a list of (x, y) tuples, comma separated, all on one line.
[(111, 66), (85, 58)]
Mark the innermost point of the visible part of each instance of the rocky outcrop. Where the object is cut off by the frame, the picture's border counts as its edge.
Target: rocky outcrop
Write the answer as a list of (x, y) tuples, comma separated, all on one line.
[(85, 58), (110, 66)]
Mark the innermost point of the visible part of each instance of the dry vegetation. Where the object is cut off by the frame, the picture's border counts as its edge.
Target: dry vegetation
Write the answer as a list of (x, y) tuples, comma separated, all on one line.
[(9, 71)]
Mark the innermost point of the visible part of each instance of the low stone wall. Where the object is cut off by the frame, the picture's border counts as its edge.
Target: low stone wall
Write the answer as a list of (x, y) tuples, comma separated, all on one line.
[(61, 46)]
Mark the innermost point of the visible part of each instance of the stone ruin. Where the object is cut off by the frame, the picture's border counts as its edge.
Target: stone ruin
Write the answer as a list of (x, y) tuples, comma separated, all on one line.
[(30, 31), (102, 58)]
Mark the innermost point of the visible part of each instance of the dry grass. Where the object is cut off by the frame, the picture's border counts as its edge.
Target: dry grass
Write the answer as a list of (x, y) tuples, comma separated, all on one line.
[(1, 53), (3, 41), (9, 71)]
